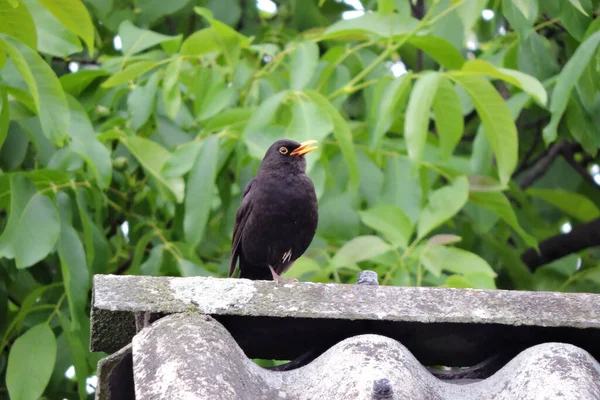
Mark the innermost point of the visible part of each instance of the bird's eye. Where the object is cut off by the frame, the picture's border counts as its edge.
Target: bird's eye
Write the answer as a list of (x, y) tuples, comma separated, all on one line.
[(283, 150)]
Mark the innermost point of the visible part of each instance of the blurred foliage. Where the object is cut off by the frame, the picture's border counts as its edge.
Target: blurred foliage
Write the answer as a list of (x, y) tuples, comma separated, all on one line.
[(129, 128)]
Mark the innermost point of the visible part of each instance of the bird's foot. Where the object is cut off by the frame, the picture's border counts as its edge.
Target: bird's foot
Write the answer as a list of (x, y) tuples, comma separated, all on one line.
[(279, 280), (283, 281)]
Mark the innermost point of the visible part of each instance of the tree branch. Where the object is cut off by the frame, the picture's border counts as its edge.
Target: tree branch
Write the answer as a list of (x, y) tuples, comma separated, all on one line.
[(581, 237), (541, 167)]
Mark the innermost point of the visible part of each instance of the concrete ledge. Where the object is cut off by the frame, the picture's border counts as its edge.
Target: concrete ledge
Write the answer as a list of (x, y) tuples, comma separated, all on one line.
[(440, 326), (190, 355)]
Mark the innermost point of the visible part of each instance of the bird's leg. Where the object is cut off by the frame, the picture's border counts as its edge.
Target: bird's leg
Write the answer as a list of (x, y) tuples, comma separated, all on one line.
[(278, 279)]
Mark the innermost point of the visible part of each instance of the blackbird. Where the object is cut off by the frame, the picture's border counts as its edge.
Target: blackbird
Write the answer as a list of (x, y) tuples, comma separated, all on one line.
[(278, 215)]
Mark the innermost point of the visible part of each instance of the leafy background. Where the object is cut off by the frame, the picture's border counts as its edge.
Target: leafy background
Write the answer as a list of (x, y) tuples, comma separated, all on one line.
[(456, 138)]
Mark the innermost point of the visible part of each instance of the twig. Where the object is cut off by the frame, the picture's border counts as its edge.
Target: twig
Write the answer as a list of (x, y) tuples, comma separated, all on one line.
[(171, 25), (192, 24), (503, 90), (541, 167), (418, 11), (568, 155)]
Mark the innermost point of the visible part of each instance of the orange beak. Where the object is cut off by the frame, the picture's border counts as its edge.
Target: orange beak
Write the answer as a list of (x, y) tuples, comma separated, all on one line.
[(305, 147)]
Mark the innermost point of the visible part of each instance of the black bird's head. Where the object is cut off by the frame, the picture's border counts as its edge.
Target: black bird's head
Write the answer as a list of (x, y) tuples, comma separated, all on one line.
[(287, 155)]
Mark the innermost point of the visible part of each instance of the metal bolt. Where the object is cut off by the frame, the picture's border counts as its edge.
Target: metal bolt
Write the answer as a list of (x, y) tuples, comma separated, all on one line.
[(382, 389), (367, 278)]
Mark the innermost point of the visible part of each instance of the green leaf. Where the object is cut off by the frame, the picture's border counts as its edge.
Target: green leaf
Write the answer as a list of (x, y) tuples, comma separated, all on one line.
[(253, 133), (470, 12), (338, 218), (217, 98), (139, 252), (171, 92), (230, 41), (523, 6), (402, 188), (535, 57), (304, 269), (75, 83), (4, 313), (151, 10), (521, 15), (73, 15), (52, 36), (87, 225), (78, 355), (30, 363), (182, 159), (33, 225), (130, 72), (4, 115), (385, 6), (455, 260), (416, 124), (442, 51), (567, 79), (135, 40), (574, 204), (443, 204), (47, 93), (458, 281), (497, 202), (449, 122), (372, 24), (154, 261), (574, 21), (443, 238), (581, 126), (74, 270), (303, 64), (189, 268), (587, 280), (309, 122), (16, 21), (390, 221), (385, 108), (342, 134), (475, 281), (152, 156), (141, 102), (359, 249), (201, 42), (577, 5), (500, 129), (200, 191), (85, 143), (523, 81)]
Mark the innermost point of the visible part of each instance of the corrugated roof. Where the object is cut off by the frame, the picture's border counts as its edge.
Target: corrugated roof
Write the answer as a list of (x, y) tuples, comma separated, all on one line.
[(355, 341)]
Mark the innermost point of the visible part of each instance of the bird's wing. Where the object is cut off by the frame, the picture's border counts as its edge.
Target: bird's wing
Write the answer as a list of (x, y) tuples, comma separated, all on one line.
[(240, 221)]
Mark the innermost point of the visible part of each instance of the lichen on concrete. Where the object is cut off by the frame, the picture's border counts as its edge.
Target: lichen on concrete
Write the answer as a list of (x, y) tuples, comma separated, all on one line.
[(228, 296)]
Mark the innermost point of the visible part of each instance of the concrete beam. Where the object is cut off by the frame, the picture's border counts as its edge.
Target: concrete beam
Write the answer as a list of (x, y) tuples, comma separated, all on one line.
[(439, 325)]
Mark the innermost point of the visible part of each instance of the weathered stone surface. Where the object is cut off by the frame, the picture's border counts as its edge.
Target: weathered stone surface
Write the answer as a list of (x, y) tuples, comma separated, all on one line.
[(115, 376), (457, 327), (192, 356)]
